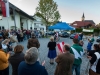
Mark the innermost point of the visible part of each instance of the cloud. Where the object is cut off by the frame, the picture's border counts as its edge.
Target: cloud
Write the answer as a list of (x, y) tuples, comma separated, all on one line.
[(19, 1)]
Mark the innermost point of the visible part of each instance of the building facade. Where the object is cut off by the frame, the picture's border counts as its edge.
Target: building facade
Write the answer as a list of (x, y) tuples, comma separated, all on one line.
[(38, 24), (18, 19)]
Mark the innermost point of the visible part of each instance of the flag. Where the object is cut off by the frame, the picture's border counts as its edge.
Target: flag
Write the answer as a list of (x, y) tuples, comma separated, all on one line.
[(60, 46), (5, 8)]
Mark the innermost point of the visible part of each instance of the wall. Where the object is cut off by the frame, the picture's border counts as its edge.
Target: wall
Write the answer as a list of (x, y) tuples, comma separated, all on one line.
[(38, 24), (8, 22), (17, 19)]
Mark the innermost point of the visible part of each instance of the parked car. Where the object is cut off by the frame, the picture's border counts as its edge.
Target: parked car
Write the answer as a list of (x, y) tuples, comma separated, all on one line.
[(98, 39), (64, 34), (72, 35), (51, 33)]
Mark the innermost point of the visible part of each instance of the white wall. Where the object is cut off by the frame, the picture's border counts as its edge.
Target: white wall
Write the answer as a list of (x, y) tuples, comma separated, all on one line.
[(39, 23), (24, 21), (7, 22), (17, 19)]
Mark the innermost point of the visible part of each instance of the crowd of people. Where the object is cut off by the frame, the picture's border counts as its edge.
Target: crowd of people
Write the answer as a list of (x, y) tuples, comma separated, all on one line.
[(28, 64)]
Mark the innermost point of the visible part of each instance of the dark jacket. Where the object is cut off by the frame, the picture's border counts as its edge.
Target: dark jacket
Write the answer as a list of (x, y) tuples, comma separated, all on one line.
[(52, 45), (33, 42), (33, 69), (64, 64), (15, 61)]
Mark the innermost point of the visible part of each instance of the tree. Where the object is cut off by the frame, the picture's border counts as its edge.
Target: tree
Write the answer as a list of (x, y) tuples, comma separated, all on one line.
[(47, 10)]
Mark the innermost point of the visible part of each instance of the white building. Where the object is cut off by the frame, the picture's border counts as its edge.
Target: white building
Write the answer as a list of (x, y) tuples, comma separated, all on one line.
[(38, 24), (20, 19)]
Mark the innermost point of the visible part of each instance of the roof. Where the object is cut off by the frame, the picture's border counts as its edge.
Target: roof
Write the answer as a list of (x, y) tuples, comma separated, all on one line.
[(89, 21), (81, 23), (19, 11)]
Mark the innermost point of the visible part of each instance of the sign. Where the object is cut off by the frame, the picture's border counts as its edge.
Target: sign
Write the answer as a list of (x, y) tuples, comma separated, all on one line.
[(88, 30)]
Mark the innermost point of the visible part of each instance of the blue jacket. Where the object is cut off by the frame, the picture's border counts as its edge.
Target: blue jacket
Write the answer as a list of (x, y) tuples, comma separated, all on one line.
[(89, 46), (33, 69)]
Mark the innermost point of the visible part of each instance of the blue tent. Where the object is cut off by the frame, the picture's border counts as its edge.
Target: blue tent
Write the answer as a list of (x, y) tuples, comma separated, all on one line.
[(62, 25)]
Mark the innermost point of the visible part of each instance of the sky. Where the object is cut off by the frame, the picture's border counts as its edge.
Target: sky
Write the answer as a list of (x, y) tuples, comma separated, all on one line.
[(70, 10)]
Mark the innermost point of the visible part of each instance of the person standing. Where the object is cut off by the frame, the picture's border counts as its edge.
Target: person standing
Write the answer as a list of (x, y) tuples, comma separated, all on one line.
[(31, 66), (16, 58), (81, 35), (4, 64), (77, 50), (92, 39), (52, 50), (33, 42), (64, 62)]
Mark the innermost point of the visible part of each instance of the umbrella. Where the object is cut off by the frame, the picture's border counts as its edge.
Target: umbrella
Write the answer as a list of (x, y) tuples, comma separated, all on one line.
[(62, 25)]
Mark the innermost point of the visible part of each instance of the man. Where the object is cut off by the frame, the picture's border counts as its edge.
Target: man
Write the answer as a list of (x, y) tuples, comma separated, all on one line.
[(78, 52), (33, 42), (64, 62)]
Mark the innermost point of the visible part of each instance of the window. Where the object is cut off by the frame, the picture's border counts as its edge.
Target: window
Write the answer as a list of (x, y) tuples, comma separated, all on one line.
[(35, 24), (3, 27)]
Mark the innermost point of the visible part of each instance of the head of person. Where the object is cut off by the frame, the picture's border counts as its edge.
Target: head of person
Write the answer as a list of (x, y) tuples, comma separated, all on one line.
[(96, 47), (52, 38), (66, 48), (75, 41), (92, 35), (31, 55), (18, 49), (33, 35)]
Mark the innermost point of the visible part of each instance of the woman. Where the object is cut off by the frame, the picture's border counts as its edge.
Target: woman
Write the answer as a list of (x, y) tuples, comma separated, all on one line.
[(5, 45), (13, 40), (4, 65), (95, 61), (31, 66), (96, 48), (16, 59), (52, 50)]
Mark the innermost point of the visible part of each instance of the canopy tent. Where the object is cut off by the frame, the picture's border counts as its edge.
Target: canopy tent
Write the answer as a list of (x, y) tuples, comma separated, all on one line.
[(62, 25)]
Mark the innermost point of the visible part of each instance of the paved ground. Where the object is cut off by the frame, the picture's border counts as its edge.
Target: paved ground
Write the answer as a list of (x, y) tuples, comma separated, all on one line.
[(43, 50)]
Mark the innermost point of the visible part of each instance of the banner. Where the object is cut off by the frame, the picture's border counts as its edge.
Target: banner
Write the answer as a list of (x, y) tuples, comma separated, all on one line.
[(60, 46), (88, 30), (5, 8)]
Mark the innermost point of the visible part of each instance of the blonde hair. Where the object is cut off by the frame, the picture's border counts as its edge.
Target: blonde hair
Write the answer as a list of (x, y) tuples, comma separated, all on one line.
[(5, 41), (18, 48), (52, 38)]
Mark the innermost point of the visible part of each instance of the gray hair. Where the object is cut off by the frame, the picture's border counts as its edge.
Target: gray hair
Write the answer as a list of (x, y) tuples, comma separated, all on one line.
[(31, 55)]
